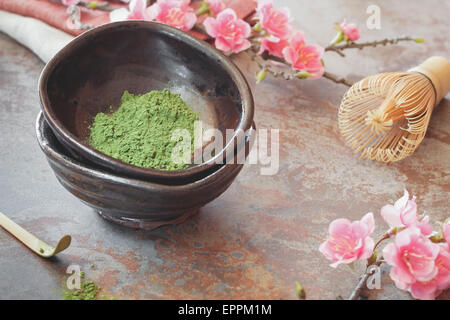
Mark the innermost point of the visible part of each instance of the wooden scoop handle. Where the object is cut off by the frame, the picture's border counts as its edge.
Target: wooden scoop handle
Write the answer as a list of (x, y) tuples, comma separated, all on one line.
[(20, 233)]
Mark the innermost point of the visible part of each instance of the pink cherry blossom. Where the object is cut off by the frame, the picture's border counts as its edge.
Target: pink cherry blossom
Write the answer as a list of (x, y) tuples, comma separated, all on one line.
[(349, 241), (428, 290), (70, 2), (136, 11), (303, 57), (230, 32), (446, 230), (216, 6), (350, 30), (273, 48), (176, 13), (412, 256), (404, 214), (275, 21)]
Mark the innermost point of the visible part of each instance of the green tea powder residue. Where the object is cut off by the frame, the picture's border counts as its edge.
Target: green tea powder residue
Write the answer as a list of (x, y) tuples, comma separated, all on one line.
[(140, 131), (88, 291)]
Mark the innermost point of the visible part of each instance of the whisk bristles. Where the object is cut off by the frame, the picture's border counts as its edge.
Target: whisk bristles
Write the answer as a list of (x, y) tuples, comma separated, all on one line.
[(385, 117), (378, 121)]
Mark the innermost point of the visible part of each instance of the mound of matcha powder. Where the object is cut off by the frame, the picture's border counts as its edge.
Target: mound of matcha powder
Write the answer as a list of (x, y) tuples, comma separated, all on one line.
[(140, 131)]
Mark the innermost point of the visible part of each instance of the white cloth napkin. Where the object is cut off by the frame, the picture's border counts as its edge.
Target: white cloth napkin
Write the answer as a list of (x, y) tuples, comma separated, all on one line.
[(44, 40)]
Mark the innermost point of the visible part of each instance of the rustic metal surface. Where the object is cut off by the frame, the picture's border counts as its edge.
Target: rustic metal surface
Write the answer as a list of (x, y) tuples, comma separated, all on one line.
[(260, 236)]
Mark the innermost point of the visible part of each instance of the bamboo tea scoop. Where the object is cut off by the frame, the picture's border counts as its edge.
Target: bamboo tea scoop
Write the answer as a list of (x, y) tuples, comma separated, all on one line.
[(36, 245), (385, 117)]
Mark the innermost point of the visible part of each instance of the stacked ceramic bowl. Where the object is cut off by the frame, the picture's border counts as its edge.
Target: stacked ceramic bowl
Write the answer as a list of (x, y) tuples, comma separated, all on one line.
[(90, 74)]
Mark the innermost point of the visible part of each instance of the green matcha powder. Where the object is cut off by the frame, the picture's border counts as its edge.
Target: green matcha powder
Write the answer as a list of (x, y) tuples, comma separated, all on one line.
[(88, 291), (140, 131)]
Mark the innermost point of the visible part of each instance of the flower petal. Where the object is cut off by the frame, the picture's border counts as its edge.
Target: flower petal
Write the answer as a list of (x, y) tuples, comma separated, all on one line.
[(409, 214), (119, 15), (339, 227), (391, 215), (367, 251), (424, 291), (369, 221), (401, 203), (210, 26)]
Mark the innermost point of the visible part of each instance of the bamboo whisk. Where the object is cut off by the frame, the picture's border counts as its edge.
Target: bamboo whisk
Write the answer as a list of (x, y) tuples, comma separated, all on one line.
[(385, 117)]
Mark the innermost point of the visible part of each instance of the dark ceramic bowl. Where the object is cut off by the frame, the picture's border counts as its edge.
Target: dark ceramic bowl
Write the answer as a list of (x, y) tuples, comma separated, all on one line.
[(128, 201), (91, 73)]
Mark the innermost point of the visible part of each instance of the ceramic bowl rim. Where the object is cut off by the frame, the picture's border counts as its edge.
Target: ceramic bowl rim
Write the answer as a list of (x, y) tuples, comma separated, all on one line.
[(247, 102)]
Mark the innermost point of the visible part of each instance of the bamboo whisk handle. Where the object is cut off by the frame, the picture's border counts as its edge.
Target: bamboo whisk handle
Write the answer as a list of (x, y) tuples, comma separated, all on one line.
[(437, 69)]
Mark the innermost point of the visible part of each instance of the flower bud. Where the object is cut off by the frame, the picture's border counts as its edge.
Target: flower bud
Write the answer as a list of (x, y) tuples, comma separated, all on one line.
[(92, 5), (300, 291), (303, 75), (261, 76), (437, 237), (257, 27), (373, 258), (338, 38), (204, 8)]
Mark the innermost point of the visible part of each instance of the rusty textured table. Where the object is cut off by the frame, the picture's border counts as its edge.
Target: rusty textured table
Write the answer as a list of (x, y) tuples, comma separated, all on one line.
[(262, 235)]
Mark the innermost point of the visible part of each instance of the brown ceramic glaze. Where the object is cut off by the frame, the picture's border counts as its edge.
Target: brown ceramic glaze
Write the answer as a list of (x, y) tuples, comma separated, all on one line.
[(129, 201), (91, 73)]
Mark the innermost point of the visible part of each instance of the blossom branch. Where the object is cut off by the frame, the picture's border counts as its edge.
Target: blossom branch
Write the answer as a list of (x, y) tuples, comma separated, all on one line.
[(356, 293), (337, 79), (426, 252), (388, 234), (94, 5), (272, 34), (372, 261), (326, 75), (104, 6), (199, 28), (75, 18), (268, 68), (354, 45)]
